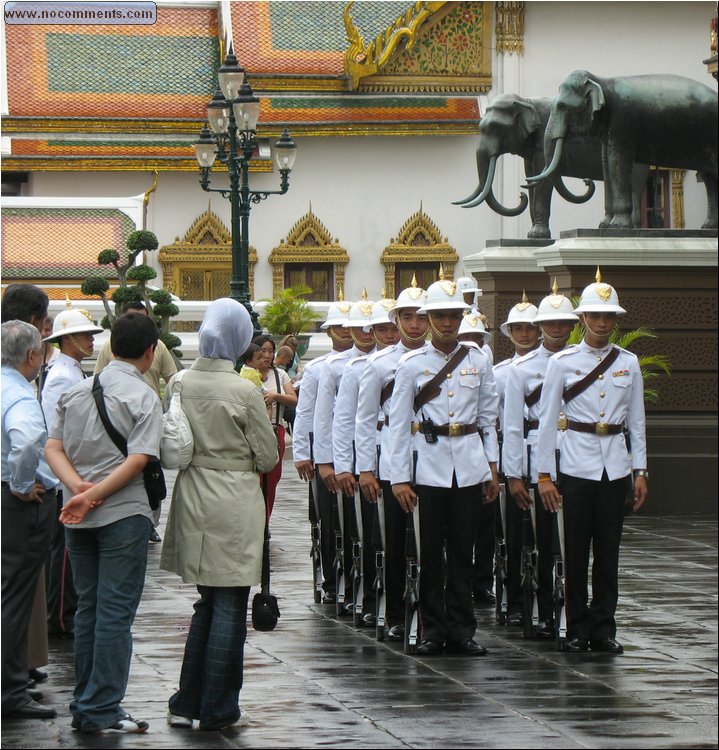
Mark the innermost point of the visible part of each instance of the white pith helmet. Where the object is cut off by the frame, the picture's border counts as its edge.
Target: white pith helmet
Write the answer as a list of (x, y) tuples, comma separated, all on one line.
[(522, 312), (473, 322), (72, 320), (555, 307), (467, 285), (360, 315), (337, 313), (599, 297), (443, 295), (381, 310), (413, 296)]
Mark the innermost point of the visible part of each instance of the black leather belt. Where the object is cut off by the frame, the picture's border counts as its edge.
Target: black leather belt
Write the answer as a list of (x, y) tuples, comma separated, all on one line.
[(592, 428), (529, 425)]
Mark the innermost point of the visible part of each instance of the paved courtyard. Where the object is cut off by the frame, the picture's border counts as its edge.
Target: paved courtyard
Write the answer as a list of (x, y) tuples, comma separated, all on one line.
[(318, 682)]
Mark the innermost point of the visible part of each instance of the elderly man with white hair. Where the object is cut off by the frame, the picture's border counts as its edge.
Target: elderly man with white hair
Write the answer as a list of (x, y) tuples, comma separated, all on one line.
[(28, 504)]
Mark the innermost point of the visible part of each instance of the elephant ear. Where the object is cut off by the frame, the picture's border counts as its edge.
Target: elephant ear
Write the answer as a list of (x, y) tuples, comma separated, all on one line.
[(596, 96), (528, 116)]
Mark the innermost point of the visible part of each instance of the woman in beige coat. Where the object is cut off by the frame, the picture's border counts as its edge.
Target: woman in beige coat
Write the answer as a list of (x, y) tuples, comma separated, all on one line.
[(215, 528)]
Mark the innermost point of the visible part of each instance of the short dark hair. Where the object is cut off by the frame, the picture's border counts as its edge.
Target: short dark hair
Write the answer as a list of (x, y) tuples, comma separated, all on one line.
[(249, 353), (24, 302), (132, 334), (133, 304)]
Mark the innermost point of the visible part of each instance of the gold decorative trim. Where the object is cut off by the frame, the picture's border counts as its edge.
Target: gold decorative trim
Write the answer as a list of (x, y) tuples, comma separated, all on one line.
[(112, 164), (261, 83), (362, 61), (510, 27), (419, 241), (206, 246), (309, 241), (12, 124), (678, 198)]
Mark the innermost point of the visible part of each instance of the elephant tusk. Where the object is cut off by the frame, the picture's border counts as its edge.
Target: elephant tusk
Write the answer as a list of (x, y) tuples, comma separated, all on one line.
[(487, 189), (499, 208), (548, 171)]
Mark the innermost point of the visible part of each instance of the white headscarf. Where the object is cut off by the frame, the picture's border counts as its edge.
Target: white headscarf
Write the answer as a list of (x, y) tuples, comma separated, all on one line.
[(226, 330)]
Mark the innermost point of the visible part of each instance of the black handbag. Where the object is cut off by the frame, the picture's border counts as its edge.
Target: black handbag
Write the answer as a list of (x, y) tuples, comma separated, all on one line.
[(152, 474), (265, 609)]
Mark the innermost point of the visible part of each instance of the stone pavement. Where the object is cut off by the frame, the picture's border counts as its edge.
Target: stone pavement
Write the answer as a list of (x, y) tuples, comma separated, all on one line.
[(318, 682)]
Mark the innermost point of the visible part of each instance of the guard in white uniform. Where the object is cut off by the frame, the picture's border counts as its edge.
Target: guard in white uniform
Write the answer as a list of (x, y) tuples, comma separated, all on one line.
[(375, 398), (303, 438), (329, 384), (556, 319), (344, 443), (448, 391), (593, 392), (469, 290), (73, 329), (519, 328)]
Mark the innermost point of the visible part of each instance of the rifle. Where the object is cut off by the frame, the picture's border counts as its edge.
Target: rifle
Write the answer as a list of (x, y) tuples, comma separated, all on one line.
[(315, 532), (357, 571), (558, 590), (339, 564), (379, 579), (530, 607), (500, 547), (411, 591)]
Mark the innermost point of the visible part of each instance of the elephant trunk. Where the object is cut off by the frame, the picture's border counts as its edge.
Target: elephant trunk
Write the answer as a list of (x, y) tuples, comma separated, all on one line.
[(498, 208)]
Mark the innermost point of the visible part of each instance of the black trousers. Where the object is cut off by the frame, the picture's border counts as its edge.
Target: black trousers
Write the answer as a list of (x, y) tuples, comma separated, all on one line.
[(593, 518), (61, 596), (514, 554), (395, 520), (325, 501), (26, 532), (447, 515), (484, 547)]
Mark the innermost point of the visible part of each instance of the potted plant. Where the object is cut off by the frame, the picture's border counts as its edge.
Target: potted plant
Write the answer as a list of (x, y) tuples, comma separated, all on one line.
[(290, 314)]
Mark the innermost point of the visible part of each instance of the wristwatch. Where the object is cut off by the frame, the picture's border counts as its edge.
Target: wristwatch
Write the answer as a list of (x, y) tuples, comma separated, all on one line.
[(641, 473)]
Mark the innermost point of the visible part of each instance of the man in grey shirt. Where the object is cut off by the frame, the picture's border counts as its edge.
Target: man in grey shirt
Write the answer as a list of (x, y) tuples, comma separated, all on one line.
[(108, 519)]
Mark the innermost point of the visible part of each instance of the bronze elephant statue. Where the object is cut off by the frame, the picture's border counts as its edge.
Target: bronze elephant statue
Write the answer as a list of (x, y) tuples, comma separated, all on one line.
[(513, 124), (664, 120)]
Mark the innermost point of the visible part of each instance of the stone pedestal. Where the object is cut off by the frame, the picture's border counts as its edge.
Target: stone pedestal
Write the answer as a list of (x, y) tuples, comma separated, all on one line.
[(667, 281)]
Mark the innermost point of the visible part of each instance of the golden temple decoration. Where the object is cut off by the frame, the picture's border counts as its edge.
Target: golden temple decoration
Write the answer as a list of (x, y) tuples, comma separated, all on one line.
[(309, 241), (432, 46), (678, 198), (509, 27), (199, 266), (419, 241)]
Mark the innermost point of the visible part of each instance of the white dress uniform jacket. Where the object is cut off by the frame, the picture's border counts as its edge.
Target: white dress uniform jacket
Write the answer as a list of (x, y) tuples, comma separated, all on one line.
[(467, 396), (63, 374), (616, 397), (329, 384), (500, 378), (378, 372), (343, 425), (524, 375), (305, 413)]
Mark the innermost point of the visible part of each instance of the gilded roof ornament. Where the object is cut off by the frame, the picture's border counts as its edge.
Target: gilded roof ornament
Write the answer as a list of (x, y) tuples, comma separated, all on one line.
[(340, 294), (441, 272)]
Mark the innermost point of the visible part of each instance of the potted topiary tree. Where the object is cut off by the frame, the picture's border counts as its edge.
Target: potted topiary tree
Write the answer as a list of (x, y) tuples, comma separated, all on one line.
[(290, 314)]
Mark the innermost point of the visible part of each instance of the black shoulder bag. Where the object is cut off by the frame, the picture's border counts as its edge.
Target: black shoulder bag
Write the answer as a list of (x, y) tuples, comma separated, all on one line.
[(152, 473), (265, 610)]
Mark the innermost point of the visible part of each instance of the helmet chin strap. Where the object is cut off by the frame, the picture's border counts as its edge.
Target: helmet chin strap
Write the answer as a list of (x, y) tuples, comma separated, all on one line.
[(554, 339), (520, 346), (81, 349), (441, 336), (333, 335), (406, 336), (359, 342), (585, 323)]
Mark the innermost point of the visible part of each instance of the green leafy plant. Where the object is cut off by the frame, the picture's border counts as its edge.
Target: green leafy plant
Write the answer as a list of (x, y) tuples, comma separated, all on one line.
[(651, 365), (290, 313)]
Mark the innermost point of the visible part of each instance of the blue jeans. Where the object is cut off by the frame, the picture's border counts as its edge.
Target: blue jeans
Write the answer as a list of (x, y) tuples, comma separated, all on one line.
[(108, 566), (211, 676)]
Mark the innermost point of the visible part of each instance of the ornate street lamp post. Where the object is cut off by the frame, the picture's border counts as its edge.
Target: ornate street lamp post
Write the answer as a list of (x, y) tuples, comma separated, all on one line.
[(232, 115)]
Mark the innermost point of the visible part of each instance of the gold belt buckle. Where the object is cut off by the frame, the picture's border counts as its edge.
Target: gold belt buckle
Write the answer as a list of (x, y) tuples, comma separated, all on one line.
[(455, 430), (562, 423), (415, 428), (601, 428)]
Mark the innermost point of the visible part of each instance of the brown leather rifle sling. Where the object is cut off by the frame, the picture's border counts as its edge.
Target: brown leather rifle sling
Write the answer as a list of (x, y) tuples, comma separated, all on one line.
[(587, 380), (432, 388), (534, 396), (386, 392)]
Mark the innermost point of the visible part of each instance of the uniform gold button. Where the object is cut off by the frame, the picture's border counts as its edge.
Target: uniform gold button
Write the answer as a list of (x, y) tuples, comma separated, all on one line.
[(601, 395), (450, 394), (451, 414), (577, 372), (601, 377), (602, 413), (449, 375), (426, 372)]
